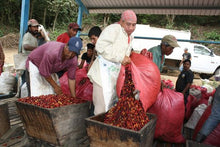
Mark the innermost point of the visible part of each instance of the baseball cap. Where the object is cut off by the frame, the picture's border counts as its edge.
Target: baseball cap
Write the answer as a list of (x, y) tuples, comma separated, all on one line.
[(33, 22), (75, 45), (74, 26), (171, 40)]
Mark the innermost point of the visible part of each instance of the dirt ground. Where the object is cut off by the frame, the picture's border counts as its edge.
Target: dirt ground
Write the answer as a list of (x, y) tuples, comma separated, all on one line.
[(196, 81), (9, 53)]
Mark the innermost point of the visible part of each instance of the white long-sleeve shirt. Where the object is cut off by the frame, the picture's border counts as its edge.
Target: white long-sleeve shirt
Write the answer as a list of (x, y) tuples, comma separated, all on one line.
[(113, 46)]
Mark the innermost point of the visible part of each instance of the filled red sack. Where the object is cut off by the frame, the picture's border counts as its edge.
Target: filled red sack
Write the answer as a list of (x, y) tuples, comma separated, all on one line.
[(147, 54), (205, 96), (84, 87), (146, 78), (213, 138), (192, 103), (202, 120), (64, 84), (170, 109)]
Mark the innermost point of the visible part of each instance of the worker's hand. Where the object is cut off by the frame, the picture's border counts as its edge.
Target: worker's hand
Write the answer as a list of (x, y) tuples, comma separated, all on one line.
[(162, 86), (126, 60), (58, 90)]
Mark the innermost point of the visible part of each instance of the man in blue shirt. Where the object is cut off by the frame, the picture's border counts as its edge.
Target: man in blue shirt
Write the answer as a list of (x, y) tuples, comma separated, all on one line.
[(166, 47)]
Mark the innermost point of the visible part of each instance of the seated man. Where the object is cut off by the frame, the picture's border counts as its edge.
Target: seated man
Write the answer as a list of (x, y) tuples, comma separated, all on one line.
[(87, 56)]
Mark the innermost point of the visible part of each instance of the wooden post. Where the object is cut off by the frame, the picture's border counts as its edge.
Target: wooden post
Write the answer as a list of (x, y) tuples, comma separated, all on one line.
[(4, 119)]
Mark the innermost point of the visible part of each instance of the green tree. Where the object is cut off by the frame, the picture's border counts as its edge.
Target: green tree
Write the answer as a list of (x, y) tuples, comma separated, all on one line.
[(61, 6), (10, 12)]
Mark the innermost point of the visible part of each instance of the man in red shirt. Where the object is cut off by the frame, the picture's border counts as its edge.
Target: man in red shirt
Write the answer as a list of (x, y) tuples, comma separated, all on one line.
[(73, 28), (50, 58)]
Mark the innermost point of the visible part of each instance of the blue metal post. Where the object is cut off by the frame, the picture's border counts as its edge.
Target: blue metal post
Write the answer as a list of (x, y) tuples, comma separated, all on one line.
[(82, 9), (24, 19), (79, 19)]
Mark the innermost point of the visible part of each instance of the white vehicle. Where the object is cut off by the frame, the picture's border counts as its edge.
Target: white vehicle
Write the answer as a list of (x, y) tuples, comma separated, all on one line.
[(203, 61)]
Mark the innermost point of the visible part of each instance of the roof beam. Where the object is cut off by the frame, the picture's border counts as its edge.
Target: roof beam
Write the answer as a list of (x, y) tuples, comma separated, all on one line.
[(157, 7)]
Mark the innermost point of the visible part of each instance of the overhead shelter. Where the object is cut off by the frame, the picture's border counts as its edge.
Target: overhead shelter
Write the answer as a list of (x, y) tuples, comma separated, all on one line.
[(163, 7), (177, 7)]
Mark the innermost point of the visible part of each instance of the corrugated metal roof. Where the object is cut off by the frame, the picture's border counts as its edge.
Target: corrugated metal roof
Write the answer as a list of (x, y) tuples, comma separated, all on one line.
[(177, 7)]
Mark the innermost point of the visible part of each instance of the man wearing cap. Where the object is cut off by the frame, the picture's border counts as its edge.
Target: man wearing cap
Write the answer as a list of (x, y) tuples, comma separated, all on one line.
[(113, 49), (29, 42), (166, 47), (73, 28), (52, 57)]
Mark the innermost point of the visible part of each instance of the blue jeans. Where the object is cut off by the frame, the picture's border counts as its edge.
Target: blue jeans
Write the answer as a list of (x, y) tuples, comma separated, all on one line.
[(214, 118)]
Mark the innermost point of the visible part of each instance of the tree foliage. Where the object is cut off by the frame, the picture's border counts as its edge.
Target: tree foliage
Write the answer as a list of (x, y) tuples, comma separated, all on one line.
[(59, 13), (10, 12), (65, 8)]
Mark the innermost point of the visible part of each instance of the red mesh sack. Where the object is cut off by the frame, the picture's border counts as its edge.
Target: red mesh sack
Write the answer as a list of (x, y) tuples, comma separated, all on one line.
[(202, 120), (64, 84), (205, 97), (146, 78), (84, 87), (192, 103), (170, 110), (147, 54)]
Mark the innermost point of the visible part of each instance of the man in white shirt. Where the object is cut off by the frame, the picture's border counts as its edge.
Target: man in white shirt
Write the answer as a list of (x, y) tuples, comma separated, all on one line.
[(29, 42), (113, 49)]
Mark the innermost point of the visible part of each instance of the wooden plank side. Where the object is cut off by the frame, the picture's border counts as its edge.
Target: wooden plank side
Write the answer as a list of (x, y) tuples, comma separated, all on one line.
[(102, 134), (37, 122), (69, 119), (100, 137), (56, 126), (4, 119), (69, 122)]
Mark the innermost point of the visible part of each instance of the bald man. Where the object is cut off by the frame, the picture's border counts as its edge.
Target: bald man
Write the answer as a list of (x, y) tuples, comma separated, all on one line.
[(113, 48)]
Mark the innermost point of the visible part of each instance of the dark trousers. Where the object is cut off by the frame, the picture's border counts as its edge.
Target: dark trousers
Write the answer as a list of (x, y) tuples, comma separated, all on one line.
[(27, 78), (185, 98)]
